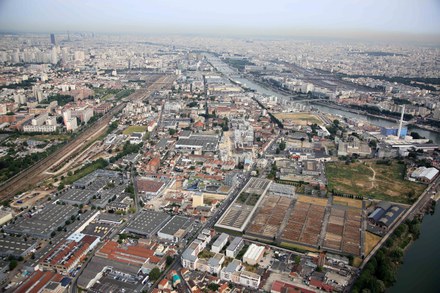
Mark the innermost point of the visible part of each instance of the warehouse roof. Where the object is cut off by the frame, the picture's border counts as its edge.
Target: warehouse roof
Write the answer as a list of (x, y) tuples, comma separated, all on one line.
[(148, 222)]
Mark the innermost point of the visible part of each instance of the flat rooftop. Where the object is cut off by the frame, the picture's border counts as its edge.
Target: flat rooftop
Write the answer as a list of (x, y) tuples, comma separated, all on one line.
[(14, 245), (175, 224), (77, 195), (44, 222), (148, 222)]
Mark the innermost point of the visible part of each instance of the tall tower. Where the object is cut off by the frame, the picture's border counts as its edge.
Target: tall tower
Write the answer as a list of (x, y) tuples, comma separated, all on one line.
[(52, 39), (401, 122)]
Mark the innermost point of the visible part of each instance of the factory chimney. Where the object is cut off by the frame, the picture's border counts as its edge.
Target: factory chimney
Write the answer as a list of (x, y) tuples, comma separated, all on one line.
[(401, 121)]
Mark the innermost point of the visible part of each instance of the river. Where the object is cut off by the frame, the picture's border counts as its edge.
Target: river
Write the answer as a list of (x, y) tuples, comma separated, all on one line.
[(232, 74), (420, 270)]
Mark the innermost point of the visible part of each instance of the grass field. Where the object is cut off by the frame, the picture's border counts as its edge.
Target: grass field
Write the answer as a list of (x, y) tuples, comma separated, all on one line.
[(299, 118), (371, 241), (87, 169), (134, 128), (385, 182)]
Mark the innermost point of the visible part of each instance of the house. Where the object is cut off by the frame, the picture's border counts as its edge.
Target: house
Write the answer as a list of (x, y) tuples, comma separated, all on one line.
[(153, 165), (250, 279), (230, 272), (213, 265)]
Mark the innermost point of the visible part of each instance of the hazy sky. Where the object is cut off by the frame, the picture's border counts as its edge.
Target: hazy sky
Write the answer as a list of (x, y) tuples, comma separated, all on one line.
[(223, 16)]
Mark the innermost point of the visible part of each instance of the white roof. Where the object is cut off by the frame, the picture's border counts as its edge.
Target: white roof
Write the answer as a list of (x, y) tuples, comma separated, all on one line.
[(253, 252), (423, 172)]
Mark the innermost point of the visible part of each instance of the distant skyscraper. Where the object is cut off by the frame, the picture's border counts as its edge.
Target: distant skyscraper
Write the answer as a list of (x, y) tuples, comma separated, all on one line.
[(52, 39)]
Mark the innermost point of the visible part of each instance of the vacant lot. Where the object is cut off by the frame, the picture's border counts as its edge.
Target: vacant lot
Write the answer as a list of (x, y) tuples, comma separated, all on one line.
[(134, 128), (369, 179), (345, 201), (299, 118), (371, 241)]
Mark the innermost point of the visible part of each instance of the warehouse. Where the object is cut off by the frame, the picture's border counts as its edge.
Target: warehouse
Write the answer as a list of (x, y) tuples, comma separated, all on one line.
[(385, 214), (16, 247), (175, 229), (43, 223), (77, 196), (253, 254), (148, 223), (198, 144), (425, 175)]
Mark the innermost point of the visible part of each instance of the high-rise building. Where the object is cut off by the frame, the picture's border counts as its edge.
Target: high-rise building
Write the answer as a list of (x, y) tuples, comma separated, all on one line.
[(52, 39), (54, 56)]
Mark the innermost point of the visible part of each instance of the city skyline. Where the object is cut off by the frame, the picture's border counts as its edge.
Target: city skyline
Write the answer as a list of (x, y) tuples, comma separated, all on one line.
[(393, 20)]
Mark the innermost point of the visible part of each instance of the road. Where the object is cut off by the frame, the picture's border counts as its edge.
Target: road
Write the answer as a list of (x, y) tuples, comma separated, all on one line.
[(176, 265)]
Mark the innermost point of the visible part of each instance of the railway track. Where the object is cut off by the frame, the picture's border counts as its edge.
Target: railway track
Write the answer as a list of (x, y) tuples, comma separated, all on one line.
[(36, 173)]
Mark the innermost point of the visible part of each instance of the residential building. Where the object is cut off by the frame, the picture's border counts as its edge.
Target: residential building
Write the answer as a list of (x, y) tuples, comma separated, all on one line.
[(218, 244), (234, 247)]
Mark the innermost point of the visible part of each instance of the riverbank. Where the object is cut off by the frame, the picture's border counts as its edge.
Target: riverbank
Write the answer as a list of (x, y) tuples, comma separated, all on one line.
[(348, 109), (419, 271)]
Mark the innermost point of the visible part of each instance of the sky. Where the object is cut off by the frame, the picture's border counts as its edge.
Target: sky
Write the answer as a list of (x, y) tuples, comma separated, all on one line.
[(268, 17)]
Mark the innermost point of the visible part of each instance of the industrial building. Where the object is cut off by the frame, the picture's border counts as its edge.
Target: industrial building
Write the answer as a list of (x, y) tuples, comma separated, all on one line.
[(393, 131), (425, 175), (253, 254), (175, 229), (77, 196), (5, 216), (43, 222), (67, 255), (148, 223), (198, 144), (385, 214), (16, 246)]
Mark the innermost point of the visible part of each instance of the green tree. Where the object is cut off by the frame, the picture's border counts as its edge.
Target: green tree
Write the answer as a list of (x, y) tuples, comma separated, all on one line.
[(155, 274), (282, 146), (213, 287), (12, 264), (169, 260)]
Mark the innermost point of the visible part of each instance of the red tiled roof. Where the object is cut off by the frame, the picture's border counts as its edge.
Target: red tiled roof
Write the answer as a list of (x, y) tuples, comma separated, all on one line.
[(279, 286), (37, 281), (147, 185)]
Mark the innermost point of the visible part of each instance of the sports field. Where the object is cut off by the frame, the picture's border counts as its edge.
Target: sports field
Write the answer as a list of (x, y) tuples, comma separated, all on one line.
[(300, 118), (369, 179), (134, 128)]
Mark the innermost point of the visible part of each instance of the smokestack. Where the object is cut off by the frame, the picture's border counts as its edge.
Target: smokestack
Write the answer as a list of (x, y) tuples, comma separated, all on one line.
[(401, 121)]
